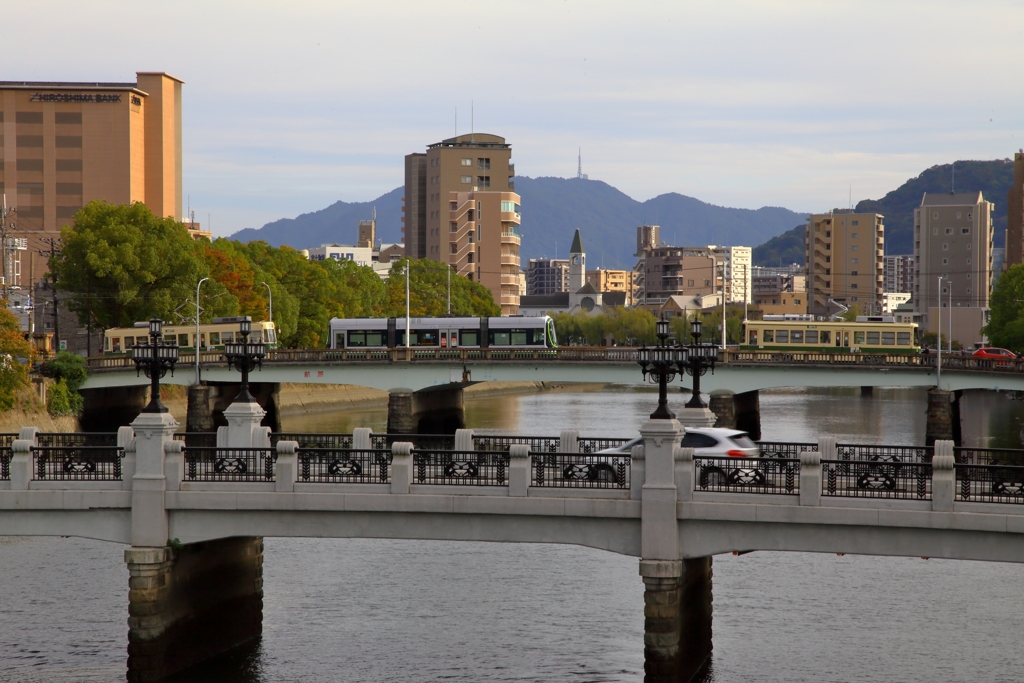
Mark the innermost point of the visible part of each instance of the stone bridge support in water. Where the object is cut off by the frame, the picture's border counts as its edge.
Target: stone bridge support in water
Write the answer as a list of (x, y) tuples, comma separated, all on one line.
[(738, 411), (434, 410), (943, 423)]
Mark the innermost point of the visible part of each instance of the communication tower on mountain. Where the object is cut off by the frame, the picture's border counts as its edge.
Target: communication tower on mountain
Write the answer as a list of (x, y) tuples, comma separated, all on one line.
[(579, 166)]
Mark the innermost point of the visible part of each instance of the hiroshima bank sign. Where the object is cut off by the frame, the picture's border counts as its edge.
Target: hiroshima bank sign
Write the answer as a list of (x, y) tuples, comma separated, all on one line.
[(77, 97)]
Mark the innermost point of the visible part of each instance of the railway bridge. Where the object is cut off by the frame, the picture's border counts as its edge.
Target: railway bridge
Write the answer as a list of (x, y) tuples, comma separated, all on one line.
[(192, 511)]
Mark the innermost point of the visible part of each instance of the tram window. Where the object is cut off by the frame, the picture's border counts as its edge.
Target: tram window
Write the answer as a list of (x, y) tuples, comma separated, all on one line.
[(782, 336), (215, 339), (183, 340), (769, 336), (361, 338), (903, 338), (796, 336), (518, 337), (498, 338), (273, 336), (888, 338), (826, 337), (117, 344), (753, 338), (858, 337), (227, 337), (812, 336), (339, 340), (470, 337), (531, 337), (372, 338), (356, 339), (128, 342), (168, 338), (426, 338), (872, 338)]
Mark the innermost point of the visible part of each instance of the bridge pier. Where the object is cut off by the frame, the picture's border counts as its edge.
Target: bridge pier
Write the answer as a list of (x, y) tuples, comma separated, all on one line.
[(723, 405), (677, 618), (943, 422), (199, 417), (434, 410), (190, 603)]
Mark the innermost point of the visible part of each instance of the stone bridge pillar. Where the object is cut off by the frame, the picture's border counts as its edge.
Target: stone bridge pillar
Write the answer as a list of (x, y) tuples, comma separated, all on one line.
[(434, 410), (677, 593), (943, 421)]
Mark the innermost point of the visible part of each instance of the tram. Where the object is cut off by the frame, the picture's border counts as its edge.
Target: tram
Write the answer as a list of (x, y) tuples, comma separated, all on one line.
[(439, 333), (869, 334), (212, 336)]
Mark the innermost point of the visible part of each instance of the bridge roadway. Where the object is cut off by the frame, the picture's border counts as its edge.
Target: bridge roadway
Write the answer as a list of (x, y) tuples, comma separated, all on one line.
[(736, 372)]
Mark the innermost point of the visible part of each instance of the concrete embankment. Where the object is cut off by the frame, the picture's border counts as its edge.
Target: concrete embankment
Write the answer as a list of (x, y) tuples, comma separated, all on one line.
[(298, 399)]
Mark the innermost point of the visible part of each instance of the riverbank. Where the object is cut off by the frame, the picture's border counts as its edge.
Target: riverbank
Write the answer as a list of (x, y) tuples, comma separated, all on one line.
[(30, 411)]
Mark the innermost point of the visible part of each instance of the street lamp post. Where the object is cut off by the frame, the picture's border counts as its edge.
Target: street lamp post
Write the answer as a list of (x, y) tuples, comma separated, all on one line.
[(658, 364), (155, 358), (245, 355), (197, 326), (697, 359)]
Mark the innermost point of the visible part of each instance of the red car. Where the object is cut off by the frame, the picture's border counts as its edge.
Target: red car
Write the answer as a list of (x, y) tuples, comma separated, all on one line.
[(994, 353)]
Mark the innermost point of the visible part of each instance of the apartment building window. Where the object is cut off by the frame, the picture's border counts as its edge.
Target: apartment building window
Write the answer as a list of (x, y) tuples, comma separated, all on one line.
[(470, 257), (854, 235), (467, 162), (467, 179), (965, 231), (453, 247), (854, 274), (483, 181), (853, 261), (968, 216), (854, 223), (454, 206), (935, 231), (853, 285), (968, 260), (958, 214), (828, 259), (690, 283), (945, 246), (968, 290), (949, 231), (471, 237), (707, 283), (470, 214), (853, 248), (935, 214), (483, 163), (453, 226), (968, 245), (828, 233), (945, 261), (968, 276)]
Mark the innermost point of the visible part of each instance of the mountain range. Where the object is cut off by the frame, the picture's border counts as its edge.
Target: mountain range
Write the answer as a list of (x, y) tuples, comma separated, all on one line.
[(552, 209)]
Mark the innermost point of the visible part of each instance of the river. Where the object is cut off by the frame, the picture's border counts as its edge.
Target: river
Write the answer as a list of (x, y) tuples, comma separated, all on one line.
[(369, 610)]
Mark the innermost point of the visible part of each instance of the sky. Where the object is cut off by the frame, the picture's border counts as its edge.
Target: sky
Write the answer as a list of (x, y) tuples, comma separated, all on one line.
[(289, 107)]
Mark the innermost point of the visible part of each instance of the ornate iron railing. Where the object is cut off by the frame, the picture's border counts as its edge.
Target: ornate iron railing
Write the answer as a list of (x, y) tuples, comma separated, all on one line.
[(467, 468), (876, 479), (229, 464), (197, 439), (5, 455), (427, 442), (68, 439), (990, 456), (593, 445), (772, 475), (784, 449), (580, 470), (848, 451), (989, 483), (313, 440), (77, 463), (344, 465), (502, 443)]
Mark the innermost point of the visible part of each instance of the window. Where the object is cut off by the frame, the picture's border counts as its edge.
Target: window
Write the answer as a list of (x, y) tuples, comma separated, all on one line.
[(812, 336), (826, 337), (698, 440), (467, 179), (968, 290), (935, 214), (453, 206), (935, 231), (471, 236), (949, 231), (357, 338), (945, 261), (958, 214), (467, 162), (227, 337), (470, 257), (453, 226), (945, 246), (854, 248), (183, 340), (454, 248), (873, 338), (968, 216), (215, 339), (853, 261), (769, 336), (968, 260), (782, 336), (854, 235), (853, 272), (796, 336), (828, 259), (854, 223), (888, 338), (690, 283), (796, 301), (968, 245), (828, 233), (483, 163), (965, 231), (470, 337), (483, 181), (968, 276), (903, 338), (858, 337)]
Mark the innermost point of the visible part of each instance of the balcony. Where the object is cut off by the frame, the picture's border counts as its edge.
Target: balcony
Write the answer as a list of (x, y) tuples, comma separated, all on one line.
[(509, 260), (510, 280)]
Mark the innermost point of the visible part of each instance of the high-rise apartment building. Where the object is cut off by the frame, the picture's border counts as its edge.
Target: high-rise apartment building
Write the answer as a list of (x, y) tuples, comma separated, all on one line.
[(546, 276), (952, 240), (899, 274), (483, 242), (461, 164), (677, 271), (736, 263), (844, 252), (606, 280), (65, 144), (1015, 215)]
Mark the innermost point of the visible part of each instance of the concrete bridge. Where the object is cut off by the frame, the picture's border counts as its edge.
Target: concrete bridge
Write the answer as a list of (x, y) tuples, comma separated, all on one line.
[(193, 515)]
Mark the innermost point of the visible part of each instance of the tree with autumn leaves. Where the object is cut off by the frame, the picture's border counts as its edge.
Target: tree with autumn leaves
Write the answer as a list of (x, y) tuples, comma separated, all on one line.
[(121, 264)]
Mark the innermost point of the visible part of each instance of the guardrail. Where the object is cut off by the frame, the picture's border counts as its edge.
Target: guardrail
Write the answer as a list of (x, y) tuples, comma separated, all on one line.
[(229, 464), (69, 439), (467, 468), (989, 483), (876, 479), (784, 449), (343, 465), (609, 354), (989, 456), (774, 475), (77, 463), (849, 451), (578, 470)]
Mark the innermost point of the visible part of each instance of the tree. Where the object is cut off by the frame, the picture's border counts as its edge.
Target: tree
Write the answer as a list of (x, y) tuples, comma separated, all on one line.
[(428, 292), (1006, 310), (16, 354), (122, 264)]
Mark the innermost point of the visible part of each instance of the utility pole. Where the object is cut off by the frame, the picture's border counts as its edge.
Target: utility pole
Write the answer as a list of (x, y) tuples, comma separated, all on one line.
[(449, 289), (407, 309), (52, 252), (5, 226)]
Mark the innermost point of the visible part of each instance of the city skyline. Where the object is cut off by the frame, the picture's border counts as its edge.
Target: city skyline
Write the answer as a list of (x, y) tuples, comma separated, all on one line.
[(289, 112)]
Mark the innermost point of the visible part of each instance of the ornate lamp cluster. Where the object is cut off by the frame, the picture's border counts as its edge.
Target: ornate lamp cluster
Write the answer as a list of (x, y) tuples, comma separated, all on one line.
[(661, 363), (245, 355), (154, 358)]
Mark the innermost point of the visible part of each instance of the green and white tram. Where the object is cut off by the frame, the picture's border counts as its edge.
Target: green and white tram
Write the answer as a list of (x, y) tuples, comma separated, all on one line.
[(440, 333), (869, 334)]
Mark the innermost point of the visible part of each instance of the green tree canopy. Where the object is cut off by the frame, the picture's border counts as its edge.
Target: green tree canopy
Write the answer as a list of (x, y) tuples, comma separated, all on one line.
[(122, 264), (428, 292), (1006, 310), (16, 353)]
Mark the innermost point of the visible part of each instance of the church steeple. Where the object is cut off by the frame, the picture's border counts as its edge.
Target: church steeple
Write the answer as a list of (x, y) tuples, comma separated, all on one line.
[(577, 264)]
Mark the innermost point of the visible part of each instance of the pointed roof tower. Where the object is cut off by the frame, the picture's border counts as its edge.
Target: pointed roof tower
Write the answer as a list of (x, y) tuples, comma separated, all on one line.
[(577, 243)]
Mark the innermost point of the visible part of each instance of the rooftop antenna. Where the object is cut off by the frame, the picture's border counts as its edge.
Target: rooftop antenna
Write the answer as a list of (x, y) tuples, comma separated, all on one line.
[(456, 122), (579, 163), (952, 182), (472, 121)]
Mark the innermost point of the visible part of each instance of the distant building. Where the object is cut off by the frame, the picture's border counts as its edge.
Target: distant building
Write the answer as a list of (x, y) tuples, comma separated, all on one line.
[(899, 273), (773, 284), (365, 253), (613, 281), (779, 303), (483, 241), (547, 276), (1015, 214), (952, 239), (583, 296), (893, 300), (676, 271), (682, 306), (362, 256), (844, 253), (737, 272)]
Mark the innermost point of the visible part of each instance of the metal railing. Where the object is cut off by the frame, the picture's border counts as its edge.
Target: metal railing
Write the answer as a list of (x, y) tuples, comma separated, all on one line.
[(427, 442), (5, 455), (727, 474), (229, 464), (849, 451), (989, 456), (344, 466), (876, 479), (69, 439), (197, 439), (77, 463), (502, 443), (580, 471), (593, 445), (467, 468), (784, 449), (335, 441), (989, 483)]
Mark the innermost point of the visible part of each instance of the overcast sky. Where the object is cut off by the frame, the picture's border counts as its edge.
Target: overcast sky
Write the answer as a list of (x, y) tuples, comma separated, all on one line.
[(290, 106)]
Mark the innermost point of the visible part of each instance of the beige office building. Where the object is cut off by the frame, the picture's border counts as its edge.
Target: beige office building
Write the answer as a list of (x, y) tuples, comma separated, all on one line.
[(482, 242), (952, 239), (844, 255), (605, 280), (65, 144), (1015, 214), (736, 265)]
